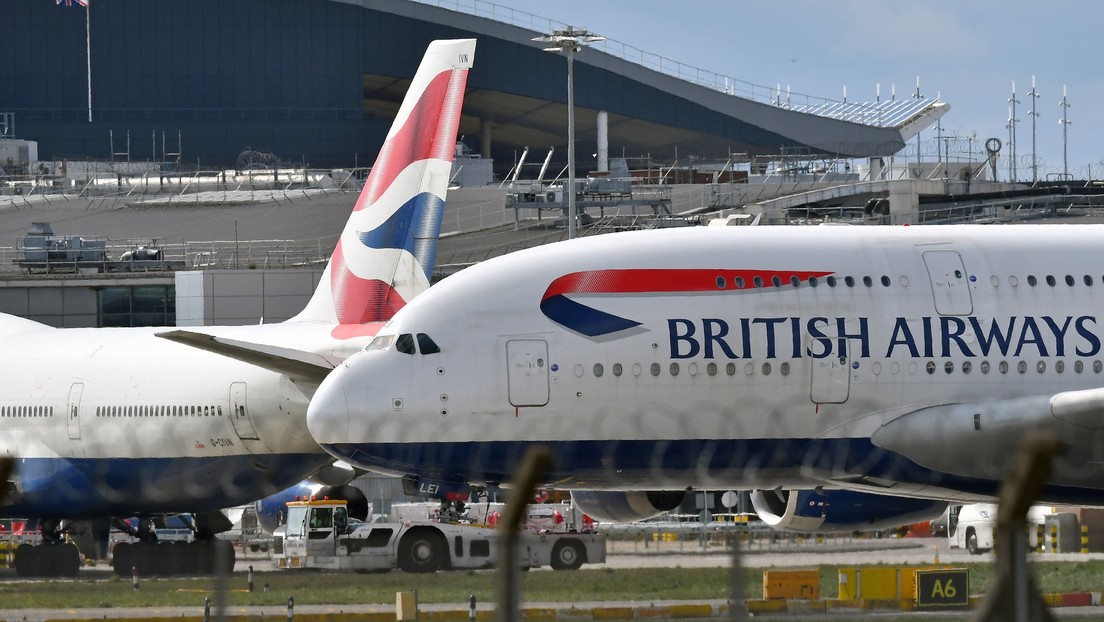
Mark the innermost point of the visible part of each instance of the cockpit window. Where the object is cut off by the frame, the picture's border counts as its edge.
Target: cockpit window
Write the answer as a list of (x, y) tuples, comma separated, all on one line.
[(381, 342), (426, 345), (405, 343)]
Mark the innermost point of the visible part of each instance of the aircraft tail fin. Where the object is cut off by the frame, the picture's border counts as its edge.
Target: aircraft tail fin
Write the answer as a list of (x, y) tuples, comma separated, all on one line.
[(386, 253)]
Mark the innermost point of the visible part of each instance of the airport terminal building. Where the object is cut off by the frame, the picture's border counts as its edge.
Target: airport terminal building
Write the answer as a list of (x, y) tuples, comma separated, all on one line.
[(197, 83)]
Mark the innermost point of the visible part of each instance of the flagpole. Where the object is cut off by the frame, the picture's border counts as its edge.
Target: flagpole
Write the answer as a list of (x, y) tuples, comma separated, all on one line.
[(88, 55)]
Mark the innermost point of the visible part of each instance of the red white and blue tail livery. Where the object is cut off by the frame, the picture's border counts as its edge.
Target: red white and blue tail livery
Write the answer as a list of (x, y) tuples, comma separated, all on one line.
[(386, 252), (143, 421)]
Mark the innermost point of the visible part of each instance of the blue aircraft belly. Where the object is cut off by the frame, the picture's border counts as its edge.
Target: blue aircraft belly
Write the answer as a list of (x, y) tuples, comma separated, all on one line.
[(83, 487)]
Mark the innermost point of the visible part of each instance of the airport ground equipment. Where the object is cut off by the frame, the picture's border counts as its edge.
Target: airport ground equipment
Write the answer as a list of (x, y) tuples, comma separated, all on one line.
[(319, 535)]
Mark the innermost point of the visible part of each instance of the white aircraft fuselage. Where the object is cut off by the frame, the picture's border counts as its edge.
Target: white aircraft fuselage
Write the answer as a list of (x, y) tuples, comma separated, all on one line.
[(98, 419), (901, 360)]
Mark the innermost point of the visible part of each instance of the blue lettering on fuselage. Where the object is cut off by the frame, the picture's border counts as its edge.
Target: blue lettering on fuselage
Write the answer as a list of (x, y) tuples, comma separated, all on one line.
[(927, 336)]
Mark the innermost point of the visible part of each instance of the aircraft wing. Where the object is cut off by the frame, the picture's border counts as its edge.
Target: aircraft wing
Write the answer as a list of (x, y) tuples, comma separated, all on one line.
[(305, 369)]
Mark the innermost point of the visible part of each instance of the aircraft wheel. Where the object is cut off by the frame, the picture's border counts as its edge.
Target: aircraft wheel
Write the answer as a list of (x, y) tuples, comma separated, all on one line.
[(67, 560), (27, 560), (122, 558), (223, 554), (422, 550), (568, 555), (144, 559)]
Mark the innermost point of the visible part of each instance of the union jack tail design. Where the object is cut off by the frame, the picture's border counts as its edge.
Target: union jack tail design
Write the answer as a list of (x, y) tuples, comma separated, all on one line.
[(72, 2), (386, 252)]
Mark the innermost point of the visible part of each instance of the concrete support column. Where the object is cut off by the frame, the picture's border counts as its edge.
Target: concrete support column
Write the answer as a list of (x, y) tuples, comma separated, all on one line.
[(603, 141), (904, 202), (485, 138), (875, 168)]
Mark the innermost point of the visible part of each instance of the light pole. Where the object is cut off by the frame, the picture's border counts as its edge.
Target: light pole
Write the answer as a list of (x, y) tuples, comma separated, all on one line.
[(1064, 122), (569, 41), (1034, 161), (1012, 121)]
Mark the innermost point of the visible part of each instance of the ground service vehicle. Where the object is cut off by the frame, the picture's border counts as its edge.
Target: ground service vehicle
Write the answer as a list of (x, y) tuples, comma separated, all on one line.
[(319, 534), (971, 526)]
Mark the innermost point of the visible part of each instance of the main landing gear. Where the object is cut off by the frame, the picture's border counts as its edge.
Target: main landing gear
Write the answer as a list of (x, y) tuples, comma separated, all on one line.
[(53, 558), (205, 555)]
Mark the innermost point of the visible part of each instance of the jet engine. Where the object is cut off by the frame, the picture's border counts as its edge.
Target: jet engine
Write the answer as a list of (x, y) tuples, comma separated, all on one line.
[(272, 510), (626, 506), (840, 510)]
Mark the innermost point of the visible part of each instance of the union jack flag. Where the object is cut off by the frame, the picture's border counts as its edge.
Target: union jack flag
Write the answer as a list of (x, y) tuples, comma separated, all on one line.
[(72, 2)]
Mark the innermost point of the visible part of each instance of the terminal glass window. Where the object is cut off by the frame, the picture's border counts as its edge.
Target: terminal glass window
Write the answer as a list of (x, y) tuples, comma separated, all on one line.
[(147, 305)]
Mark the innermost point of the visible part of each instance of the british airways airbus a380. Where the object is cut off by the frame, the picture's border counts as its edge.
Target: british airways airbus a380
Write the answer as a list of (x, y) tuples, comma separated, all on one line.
[(840, 361), (216, 418)]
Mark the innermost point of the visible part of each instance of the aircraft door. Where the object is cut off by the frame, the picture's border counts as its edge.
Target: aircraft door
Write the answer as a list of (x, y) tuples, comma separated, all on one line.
[(831, 380), (949, 283), (527, 371), (239, 413), (72, 410), (831, 375)]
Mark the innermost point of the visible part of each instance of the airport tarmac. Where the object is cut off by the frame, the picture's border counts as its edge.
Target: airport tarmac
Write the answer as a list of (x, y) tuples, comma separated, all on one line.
[(621, 554)]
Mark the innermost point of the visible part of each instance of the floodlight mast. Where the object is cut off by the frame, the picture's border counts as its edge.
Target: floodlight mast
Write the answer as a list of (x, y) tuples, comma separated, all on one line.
[(570, 41)]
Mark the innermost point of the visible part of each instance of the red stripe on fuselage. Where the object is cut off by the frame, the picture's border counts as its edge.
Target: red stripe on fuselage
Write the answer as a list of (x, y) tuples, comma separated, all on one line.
[(640, 281)]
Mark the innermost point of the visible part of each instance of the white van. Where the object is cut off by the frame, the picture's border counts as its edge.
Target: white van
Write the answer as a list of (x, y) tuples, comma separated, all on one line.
[(971, 526)]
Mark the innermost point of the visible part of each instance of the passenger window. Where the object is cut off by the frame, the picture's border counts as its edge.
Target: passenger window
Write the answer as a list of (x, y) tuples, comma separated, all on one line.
[(776, 281), (758, 281), (849, 280), (426, 345), (885, 281), (831, 281), (867, 281), (405, 343), (739, 282)]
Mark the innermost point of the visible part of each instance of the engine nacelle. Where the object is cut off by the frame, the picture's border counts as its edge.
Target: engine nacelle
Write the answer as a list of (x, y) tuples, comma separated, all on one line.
[(272, 510), (628, 506), (840, 510)]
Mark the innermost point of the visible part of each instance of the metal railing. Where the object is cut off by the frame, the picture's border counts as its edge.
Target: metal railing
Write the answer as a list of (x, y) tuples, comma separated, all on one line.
[(878, 114)]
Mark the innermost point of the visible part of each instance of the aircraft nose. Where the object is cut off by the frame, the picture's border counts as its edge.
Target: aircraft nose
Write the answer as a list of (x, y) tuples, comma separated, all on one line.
[(328, 411)]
